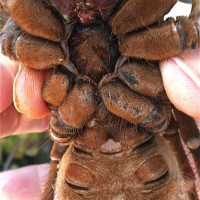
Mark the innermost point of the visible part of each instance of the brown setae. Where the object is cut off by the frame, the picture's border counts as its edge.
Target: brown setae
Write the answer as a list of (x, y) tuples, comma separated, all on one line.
[(116, 135)]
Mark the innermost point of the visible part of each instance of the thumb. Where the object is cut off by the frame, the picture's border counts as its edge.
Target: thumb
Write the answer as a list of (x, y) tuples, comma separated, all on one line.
[(27, 93)]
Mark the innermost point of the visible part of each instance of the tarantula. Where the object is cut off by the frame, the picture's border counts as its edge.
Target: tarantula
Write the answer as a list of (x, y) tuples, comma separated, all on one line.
[(113, 130)]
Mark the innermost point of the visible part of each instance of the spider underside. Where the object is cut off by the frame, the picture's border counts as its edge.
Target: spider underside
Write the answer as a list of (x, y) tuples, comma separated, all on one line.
[(116, 135)]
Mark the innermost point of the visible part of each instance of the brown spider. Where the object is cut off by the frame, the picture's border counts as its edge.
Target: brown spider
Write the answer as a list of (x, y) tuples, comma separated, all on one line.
[(113, 130)]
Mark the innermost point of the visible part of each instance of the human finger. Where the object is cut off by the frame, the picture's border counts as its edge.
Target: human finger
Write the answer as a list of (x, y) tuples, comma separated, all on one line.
[(8, 70), (181, 78), (12, 123), (23, 184)]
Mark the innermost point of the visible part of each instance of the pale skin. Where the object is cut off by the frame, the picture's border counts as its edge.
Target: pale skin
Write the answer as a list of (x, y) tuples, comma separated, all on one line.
[(181, 77)]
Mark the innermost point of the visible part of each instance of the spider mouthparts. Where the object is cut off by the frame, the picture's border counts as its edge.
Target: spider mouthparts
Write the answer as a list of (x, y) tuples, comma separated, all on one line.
[(110, 146)]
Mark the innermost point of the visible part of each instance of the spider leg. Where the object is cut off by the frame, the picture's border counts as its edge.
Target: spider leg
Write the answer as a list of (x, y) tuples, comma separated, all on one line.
[(145, 13), (141, 76), (57, 80), (48, 192), (73, 106), (8, 38), (162, 42), (59, 132), (34, 35), (56, 154), (79, 106), (40, 21), (190, 135), (29, 50), (135, 108), (40, 55), (195, 12), (172, 137), (158, 39)]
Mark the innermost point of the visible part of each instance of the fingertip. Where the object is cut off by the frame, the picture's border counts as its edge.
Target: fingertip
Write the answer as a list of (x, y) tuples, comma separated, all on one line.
[(181, 89), (28, 93)]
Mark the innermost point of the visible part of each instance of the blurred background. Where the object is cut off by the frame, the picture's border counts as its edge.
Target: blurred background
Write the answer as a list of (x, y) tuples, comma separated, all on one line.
[(22, 150)]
